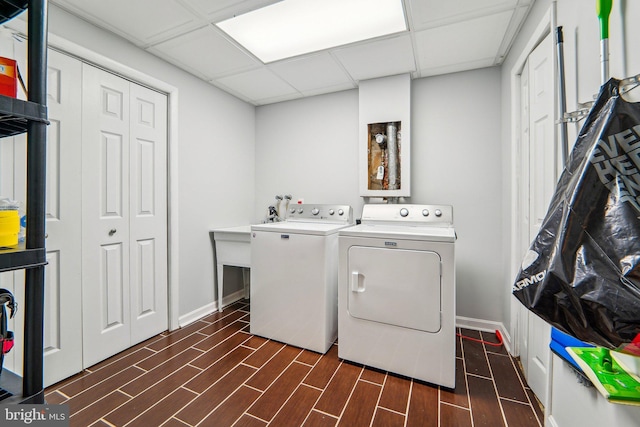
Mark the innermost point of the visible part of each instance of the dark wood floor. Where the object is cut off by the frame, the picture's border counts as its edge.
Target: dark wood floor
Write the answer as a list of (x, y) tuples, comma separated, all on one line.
[(214, 373)]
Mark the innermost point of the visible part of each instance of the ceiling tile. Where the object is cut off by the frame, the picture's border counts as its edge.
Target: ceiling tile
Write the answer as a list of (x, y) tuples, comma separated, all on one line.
[(219, 10), (257, 84), (462, 42), (310, 73), (380, 58), (431, 13), (329, 89), (455, 68), (134, 20), (207, 51)]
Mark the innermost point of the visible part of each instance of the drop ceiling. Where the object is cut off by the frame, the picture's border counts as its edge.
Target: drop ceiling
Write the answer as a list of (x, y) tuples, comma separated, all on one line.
[(443, 37)]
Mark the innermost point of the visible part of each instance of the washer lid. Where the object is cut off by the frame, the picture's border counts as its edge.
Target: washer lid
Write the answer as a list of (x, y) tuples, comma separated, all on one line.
[(298, 227), (401, 232)]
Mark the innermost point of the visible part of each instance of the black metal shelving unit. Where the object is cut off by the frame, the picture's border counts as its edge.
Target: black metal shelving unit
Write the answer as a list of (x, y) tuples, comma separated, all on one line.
[(30, 117)]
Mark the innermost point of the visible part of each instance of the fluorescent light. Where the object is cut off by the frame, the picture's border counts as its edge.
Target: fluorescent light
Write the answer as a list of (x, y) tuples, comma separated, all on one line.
[(295, 27)]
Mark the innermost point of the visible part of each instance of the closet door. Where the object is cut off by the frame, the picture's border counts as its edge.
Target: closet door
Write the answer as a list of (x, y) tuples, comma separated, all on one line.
[(124, 214), (148, 213), (63, 303), (105, 214), (63, 293)]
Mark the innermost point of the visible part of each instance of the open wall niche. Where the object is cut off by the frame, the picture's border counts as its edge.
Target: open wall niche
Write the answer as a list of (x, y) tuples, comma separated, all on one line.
[(384, 156), (384, 136)]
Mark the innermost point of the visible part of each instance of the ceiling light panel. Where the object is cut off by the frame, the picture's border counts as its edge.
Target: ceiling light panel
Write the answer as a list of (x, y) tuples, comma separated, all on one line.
[(295, 27)]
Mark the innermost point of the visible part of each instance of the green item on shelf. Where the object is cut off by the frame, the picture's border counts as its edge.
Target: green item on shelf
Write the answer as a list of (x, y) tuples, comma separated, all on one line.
[(611, 380)]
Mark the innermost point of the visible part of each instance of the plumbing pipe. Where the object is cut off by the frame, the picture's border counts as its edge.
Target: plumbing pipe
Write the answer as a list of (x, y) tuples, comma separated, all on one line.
[(392, 151), (278, 200), (287, 199)]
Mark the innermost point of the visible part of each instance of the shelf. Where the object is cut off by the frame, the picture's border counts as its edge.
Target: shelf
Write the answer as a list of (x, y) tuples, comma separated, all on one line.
[(11, 390), (11, 8), (15, 115), (19, 257)]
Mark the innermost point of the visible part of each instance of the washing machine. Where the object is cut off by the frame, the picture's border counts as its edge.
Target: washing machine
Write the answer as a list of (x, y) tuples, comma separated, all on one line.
[(294, 276), (396, 291)]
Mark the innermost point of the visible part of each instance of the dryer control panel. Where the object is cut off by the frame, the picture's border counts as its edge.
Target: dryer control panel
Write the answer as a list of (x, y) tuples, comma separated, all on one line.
[(432, 215)]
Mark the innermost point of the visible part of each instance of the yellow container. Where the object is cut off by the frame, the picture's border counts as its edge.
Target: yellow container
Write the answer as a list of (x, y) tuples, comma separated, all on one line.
[(9, 227)]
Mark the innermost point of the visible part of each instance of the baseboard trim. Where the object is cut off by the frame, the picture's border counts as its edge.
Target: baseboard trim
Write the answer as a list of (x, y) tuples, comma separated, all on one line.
[(187, 319), (230, 299), (485, 326), (206, 310)]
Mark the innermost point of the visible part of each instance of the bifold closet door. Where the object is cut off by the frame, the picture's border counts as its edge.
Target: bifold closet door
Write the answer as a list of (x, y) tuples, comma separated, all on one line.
[(148, 213), (124, 255), (63, 293)]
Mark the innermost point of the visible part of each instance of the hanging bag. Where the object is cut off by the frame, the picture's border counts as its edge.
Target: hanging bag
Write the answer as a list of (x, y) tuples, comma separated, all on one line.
[(582, 271), (6, 336)]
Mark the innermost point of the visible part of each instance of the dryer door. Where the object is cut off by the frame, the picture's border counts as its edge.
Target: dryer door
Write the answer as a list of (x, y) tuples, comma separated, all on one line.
[(398, 287)]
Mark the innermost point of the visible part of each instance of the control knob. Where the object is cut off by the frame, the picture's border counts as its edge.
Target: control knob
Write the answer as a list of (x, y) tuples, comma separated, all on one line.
[(292, 210), (331, 211), (300, 210), (315, 211), (438, 212), (425, 212), (404, 212), (340, 212)]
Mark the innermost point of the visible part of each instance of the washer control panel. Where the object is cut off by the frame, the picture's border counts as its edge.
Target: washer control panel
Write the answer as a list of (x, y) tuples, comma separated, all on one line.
[(327, 213), (418, 214)]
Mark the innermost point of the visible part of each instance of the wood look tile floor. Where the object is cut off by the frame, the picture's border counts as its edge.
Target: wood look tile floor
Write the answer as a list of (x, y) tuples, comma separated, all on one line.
[(214, 373)]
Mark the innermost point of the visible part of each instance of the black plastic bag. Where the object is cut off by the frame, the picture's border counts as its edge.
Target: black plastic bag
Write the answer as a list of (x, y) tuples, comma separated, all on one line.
[(582, 272)]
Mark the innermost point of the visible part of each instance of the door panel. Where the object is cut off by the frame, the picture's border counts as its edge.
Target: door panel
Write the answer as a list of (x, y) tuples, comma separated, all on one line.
[(395, 286), (542, 159), (148, 217), (105, 215), (63, 293), (536, 189)]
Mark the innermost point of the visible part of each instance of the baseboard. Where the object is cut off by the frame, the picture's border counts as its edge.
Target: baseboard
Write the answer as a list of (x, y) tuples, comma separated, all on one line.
[(230, 299), (485, 326), (206, 310), (197, 314)]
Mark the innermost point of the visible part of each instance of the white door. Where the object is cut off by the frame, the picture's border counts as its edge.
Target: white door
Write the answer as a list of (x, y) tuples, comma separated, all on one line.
[(124, 256), (63, 296), (105, 214), (148, 213), (538, 155), (62, 311)]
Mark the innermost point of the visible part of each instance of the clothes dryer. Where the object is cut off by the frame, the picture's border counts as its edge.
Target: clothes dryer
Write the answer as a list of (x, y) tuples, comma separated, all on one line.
[(396, 291), (294, 276)]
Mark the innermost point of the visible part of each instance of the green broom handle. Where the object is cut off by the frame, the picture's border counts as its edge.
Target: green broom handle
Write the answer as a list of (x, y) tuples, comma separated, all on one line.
[(603, 9)]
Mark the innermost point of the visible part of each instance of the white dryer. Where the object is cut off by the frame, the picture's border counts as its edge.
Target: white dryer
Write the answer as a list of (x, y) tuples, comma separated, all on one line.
[(294, 276), (396, 291)]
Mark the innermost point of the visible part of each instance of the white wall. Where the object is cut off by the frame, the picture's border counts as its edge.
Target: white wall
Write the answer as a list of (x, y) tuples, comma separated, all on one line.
[(309, 148), (215, 154), (456, 159), (582, 78)]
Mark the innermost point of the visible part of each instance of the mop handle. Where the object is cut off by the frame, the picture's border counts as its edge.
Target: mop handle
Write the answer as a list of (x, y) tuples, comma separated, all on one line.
[(603, 9)]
